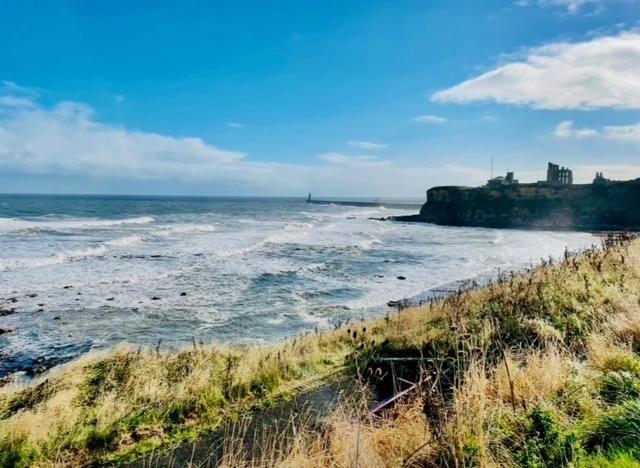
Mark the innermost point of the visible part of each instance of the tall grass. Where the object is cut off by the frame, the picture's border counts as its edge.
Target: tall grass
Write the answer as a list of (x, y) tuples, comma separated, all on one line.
[(539, 368)]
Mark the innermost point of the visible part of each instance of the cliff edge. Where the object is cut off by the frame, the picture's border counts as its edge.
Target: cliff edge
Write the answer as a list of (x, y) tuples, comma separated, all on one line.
[(602, 206)]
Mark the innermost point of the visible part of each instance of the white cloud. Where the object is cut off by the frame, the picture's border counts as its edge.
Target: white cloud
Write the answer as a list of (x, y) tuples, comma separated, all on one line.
[(600, 73), (430, 119), (628, 133), (235, 125), (14, 96), (367, 145), (68, 140), (566, 129), (118, 98), (15, 101), (622, 133), (571, 6), (347, 160)]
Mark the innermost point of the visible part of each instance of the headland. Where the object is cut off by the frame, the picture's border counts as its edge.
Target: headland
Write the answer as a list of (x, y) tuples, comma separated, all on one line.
[(553, 204)]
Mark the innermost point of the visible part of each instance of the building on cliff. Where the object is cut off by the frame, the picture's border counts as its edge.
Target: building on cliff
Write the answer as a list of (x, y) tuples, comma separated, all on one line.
[(501, 181), (557, 175)]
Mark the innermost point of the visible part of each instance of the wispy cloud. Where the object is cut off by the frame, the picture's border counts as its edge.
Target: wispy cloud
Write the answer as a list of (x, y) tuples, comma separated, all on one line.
[(600, 73), (367, 145), (118, 98), (574, 7), (566, 129), (627, 133), (235, 125), (430, 119), (15, 101), (357, 160), (15, 96), (570, 6), (621, 133)]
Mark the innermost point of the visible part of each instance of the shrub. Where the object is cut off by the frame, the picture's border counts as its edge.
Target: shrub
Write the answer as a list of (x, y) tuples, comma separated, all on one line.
[(618, 429), (547, 444), (619, 386)]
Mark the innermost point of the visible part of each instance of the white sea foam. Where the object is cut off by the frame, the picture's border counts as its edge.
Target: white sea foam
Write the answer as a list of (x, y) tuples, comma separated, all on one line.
[(55, 259), (182, 229), (8, 225), (127, 241)]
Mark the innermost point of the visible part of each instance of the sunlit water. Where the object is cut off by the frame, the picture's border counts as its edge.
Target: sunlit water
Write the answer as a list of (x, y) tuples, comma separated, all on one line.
[(113, 269)]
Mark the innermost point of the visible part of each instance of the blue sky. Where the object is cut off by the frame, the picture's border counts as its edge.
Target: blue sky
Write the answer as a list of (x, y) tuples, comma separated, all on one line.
[(370, 98)]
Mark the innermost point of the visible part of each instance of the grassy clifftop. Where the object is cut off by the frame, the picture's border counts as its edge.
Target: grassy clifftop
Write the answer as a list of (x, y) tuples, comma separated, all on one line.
[(538, 369)]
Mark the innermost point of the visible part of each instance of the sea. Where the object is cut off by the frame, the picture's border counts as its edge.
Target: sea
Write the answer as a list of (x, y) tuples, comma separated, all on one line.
[(79, 273)]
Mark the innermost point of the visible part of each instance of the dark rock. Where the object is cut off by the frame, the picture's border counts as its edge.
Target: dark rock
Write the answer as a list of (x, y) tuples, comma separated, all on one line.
[(41, 305), (155, 298), (5, 330), (401, 304), (111, 299), (32, 295), (183, 294), (67, 287), (401, 277), (13, 300), (78, 294), (57, 317), (40, 310), (4, 312)]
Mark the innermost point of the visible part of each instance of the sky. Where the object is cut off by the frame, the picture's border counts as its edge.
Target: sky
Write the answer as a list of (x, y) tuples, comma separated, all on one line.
[(361, 98)]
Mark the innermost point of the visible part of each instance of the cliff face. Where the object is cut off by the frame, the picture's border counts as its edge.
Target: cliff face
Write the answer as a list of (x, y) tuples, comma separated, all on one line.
[(608, 206)]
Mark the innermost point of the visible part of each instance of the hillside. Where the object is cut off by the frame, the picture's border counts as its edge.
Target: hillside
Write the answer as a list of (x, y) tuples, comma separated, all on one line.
[(540, 368)]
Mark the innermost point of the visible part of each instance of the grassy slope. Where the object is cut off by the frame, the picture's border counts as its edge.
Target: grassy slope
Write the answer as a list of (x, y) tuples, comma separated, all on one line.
[(538, 369)]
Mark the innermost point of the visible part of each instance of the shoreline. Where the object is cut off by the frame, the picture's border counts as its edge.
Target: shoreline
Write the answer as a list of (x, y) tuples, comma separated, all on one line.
[(30, 368)]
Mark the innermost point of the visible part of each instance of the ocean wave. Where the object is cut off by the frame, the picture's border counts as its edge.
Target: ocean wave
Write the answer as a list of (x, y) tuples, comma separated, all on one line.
[(126, 241), (10, 225), (56, 259), (182, 229)]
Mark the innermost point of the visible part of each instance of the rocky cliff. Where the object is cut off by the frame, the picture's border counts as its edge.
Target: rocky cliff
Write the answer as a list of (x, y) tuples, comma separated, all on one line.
[(592, 207)]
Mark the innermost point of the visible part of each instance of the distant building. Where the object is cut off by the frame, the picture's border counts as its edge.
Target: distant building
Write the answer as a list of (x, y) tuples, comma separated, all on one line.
[(600, 179), (502, 181), (557, 175)]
